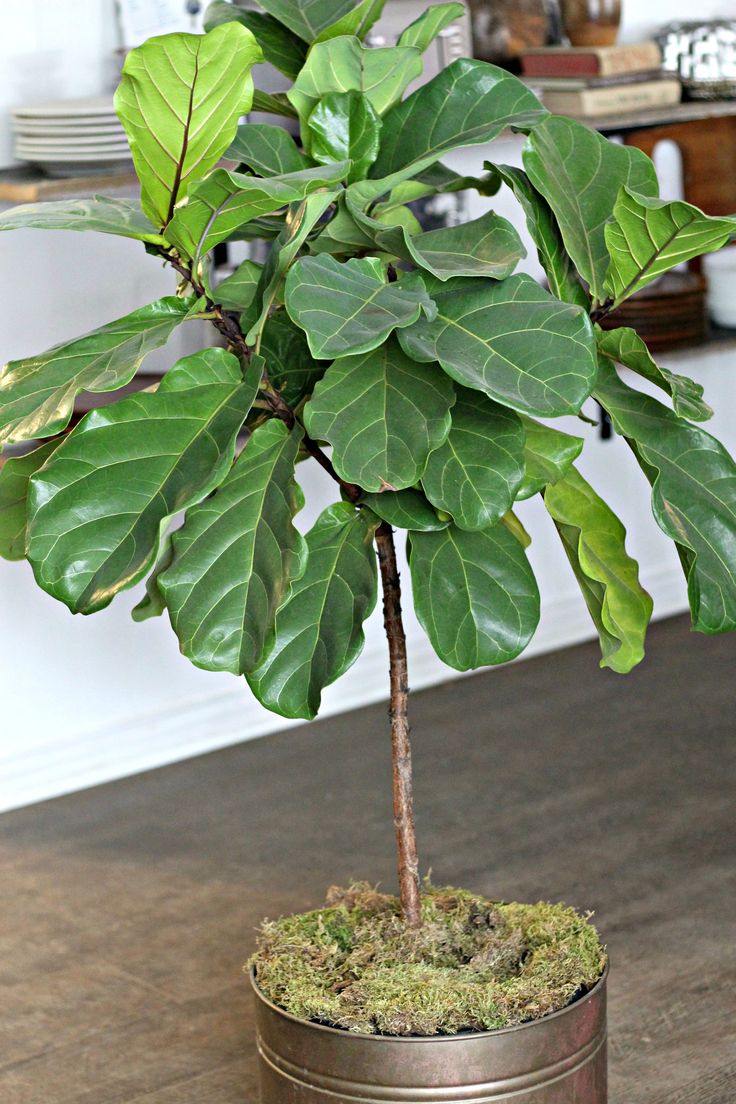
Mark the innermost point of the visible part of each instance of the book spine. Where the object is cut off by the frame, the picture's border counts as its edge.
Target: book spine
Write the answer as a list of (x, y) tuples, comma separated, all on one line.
[(604, 62), (612, 101)]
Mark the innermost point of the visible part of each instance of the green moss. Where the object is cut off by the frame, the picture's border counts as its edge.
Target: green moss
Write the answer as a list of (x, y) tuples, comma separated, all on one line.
[(474, 965)]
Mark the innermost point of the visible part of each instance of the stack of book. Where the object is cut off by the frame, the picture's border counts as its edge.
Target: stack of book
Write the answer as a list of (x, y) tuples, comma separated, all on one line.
[(600, 80)]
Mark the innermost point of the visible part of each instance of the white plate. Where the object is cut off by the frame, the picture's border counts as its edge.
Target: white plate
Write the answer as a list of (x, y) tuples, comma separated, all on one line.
[(99, 155), (40, 130), (119, 153), (72, 141), (67, 109)]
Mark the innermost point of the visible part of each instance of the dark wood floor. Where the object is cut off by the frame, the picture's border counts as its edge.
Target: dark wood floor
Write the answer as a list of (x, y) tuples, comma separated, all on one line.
[(126, 911)]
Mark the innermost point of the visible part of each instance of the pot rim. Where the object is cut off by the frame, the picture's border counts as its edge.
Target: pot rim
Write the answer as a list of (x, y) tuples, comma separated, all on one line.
[(465, 1035)]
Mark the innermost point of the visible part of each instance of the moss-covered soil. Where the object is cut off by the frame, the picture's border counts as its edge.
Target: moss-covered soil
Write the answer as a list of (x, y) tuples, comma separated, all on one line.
[(474, 965)]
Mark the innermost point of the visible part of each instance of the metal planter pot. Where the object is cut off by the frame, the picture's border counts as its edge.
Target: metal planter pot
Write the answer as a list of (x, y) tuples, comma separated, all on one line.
[(560, 1059)]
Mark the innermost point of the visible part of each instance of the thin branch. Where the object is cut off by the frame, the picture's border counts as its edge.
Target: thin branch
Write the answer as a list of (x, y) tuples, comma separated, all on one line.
[(406, 840)]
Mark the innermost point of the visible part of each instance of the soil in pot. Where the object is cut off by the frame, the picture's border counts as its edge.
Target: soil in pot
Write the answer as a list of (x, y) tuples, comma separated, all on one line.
[(474, 965)]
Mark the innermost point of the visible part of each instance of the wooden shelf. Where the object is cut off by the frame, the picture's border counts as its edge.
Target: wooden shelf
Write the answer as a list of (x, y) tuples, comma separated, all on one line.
[(25, 184), (692, 111)]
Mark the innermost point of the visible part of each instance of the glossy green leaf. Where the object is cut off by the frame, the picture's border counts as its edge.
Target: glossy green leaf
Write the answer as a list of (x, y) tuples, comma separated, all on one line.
[(548, 454), (647, 237), (486, 246), (345, 64), (15, 474), (383, 414), (37, 394), (123, 217), (693, 495), (626, 347), (344, 126), (273, 103), (237, 291), (594, 540), (291, 367), (580, 173), (179, 99), (224, 202), (563, 281), (236, 555), (466, 103), (97, 508), (356, 22), (408, 509), (475, 595), (514, 525), (424, 30), (281, 48), (349, 308), (319, 629), (301, 218), (267, 150), (510, 339), (342, 235), (152, 603), (474, 475), (308, 18)]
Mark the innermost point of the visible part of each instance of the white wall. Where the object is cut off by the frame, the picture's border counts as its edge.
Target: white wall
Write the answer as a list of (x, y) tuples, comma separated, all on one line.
[(88, 699)]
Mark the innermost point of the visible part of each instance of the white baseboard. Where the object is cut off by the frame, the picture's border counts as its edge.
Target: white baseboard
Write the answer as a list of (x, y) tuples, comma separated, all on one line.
[(194, 727)]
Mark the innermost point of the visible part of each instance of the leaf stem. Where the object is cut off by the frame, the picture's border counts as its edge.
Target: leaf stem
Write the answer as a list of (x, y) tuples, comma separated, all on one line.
[(406, 840)]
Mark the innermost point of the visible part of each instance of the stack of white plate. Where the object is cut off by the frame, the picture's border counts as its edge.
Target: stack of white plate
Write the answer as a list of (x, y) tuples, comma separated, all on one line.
[(71, 137)]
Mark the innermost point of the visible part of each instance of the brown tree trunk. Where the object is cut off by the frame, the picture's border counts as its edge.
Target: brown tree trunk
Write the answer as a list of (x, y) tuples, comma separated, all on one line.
[(406, 840)]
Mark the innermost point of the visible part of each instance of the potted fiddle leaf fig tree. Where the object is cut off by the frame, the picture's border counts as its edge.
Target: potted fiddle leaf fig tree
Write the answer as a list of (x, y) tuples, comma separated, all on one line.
[(424, 375)]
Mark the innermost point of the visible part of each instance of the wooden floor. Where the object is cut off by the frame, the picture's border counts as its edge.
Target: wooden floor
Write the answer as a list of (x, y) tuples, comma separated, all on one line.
[(126, 911)]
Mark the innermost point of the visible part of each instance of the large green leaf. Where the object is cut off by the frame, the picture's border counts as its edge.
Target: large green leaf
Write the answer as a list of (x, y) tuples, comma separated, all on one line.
[(475, 595), (273, 103), (580, 173), (236, 554), (647, 237), (301, 219), (123, 217), (407, 509), (511, 340), (308, 18), (96, 509), (356, 22), (594, 540), (152, 603), (267, 150), (548, 454), (349, 308), (291, 367), (344, 64), (563, 281), (383, 414), (237, 291), (37, 394), (224, 202), (15, 474), (467, 103), (693, 495), (474, 475), (282, 49), (344, 126), (486, 246), (626, 347), (319, 629), (179, 99), (424, 30)]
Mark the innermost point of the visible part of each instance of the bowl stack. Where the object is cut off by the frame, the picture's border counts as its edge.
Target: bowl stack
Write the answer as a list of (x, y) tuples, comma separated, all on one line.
[(71, 137)]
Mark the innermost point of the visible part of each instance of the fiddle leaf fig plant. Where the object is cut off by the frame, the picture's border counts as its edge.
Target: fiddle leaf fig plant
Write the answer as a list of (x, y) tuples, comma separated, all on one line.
[(418, 367)]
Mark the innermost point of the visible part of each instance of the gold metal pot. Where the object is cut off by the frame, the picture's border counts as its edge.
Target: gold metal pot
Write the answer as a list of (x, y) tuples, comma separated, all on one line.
[(560, 1059)]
